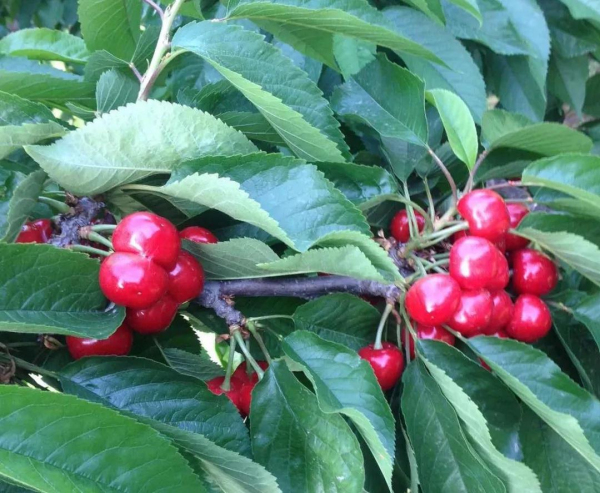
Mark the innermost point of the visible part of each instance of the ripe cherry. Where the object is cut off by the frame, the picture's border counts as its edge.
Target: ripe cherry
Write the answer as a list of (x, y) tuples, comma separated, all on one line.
[(531, 319), (132, 281), (155, 318), (473, 262), (241, 372), (387, 363), (486, 213), (433, 299), (245, 398), (516, 213), (426, 332), (198, 235), (186, 279), (502, 277), (149, 235), (233, 393), (473, 313), (400, 227), (38, 231), (501, 312), (533, 272), (117, 344)]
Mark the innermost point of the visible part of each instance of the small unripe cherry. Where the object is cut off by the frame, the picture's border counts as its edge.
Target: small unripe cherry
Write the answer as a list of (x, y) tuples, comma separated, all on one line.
[(501, 312), (198, 235), (155, 318), (473, 313), (117, 344), (533, 272), (531, 319), (473, 262), (400, 225), (516, 213), (486, 213), (433, 299), (186, 279)]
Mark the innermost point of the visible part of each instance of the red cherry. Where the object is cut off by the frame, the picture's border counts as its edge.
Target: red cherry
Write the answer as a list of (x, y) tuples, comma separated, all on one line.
[(241, 372), (233, 393), (486, 213), (132, 281), (44, 226), (149, 235), (117, 344), (502, 277), (387, 363), (473, 313), (473, 262), (516, 213), (531, 319), (426, 332), (501, 312), (433, 299), (245, 398), (501, 335), (154, 319), (186, 279), (533, 272), (400, 225), (500, 244), (38, 231), (198, 235)]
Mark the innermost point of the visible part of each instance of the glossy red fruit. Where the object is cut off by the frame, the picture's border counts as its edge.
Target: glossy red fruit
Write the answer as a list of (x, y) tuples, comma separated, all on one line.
[(186, 279), (149, 235), (473, 262), (501, 312), (533, 272), (400, 228), (531, 319), (233, 393), (433, 299), (155, 318), (473, 313), (245, 398), (198, 235), (500, 244), (516, 213), (425, 332), (241, 372), (500, 334), (132, 281), (486, 213), (117, 344), (502, 277), (38, 231), (387, 363)]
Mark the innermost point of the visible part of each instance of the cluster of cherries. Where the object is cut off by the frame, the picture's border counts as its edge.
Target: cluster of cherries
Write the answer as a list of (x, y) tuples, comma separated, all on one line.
[(38, 231), (472, 298)]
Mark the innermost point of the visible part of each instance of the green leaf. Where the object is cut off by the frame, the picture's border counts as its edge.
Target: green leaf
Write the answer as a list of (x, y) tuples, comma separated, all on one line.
[(571, 411), (145, 388), (469, 6), (45, 44), (287, 98), (566, 80), (556, 464), (316, 24), (478, 398), (30, 80), (340, 318), (286, 422), (19, 196), (445, 460), (583, 9), (352, 54), (498, 123), (115, 89), (387, 98), (54, 442), (567, 223), (64, 299), (111, 25), (345, 384), (588, 313), (253, 125), (592, 91), (458, 123), (460, 75), (197, 366), (432, 8), (134, 142)]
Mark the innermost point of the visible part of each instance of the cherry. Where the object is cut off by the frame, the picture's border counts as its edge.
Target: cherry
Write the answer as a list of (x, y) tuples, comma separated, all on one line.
[(400, 225), (502, 277), (533, 272), (516, 213), (486, 213), (198, 235), (117, 344), (433, 299), (155, 318), (241, 372), (473, 262), (473, 313), (387, 363), (426, 332), (149, 235), (501, 335), (132, 281), (38, 231), (245, 398), (186, 279), (531, 319), (233, 393), (501, 312), (500, 244)]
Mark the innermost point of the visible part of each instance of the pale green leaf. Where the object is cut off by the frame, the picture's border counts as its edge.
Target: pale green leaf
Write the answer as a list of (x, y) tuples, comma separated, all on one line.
[(45, 44), (114, 90), (20, 195), (583, 9)]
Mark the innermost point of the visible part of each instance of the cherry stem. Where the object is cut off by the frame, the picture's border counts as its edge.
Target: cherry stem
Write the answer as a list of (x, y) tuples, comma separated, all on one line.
[(505, 185), (268, 317), (28, 366), (226, 385), (156, 7), (419, 264), (411, 332), (259, 340), (259, 371), (97, 238), (560, 306), (413, 227), (471, 180), (386, 313), (438, 236), (458, 335), (55, 204), (429, 200), (101, 228), (88, 249), (446, 173), (528, 200)]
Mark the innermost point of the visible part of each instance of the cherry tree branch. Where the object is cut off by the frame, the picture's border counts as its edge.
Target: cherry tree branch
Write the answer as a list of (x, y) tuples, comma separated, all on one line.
[(83, 212)]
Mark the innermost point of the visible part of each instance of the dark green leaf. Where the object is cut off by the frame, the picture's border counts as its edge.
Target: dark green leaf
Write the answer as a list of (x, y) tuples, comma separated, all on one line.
[(566, 80), (583, 9), (286, 422), (45, 44), (253, 125), (194, 365), (115, 89), (591, 105), (588, 313)]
